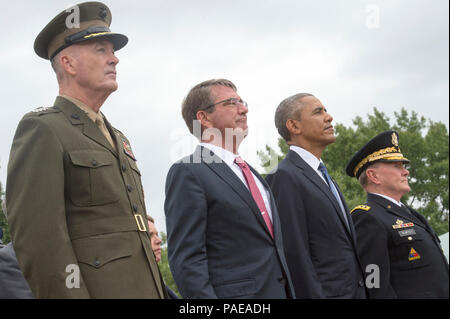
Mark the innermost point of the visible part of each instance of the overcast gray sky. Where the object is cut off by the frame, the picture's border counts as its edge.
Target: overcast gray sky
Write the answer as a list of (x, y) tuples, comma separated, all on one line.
[(352, 54)]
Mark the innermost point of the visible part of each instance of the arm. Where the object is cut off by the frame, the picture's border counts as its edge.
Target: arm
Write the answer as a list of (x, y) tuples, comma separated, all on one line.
[(36, 210), (294, 228), (372, 240), (186, 219)]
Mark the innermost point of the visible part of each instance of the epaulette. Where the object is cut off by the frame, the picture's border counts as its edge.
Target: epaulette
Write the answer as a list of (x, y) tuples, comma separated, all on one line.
[(361, 207), (44, 110)]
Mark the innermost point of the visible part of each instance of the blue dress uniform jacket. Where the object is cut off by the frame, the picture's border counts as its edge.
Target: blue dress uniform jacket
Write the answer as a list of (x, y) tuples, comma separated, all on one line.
[(74, 202), (404, 247), (320, 249), (218, 243)]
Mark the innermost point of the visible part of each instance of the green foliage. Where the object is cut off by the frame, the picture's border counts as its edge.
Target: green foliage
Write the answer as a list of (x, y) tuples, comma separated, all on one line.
[(164, 266), (424, 143), (3, 221)]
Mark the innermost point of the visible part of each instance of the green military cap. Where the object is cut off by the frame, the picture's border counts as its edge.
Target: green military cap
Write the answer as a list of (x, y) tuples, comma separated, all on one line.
[(382, 148), (94, 20)]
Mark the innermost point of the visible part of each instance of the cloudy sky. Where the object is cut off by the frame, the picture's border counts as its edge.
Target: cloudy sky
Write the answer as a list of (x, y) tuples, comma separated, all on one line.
[(353, 55)]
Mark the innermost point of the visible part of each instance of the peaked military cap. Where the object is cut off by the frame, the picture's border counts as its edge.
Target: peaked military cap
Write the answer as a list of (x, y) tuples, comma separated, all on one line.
[(94, 20), (382, 148)]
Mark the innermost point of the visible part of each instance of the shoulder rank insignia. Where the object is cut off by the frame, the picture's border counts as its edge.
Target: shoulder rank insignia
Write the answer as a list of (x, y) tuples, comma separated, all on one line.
[(40, 109), (400, 224), (361, 207), (413, 255)]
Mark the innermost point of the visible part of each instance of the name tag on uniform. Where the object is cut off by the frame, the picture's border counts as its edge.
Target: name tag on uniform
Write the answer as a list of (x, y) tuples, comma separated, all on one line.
[(407, 232)]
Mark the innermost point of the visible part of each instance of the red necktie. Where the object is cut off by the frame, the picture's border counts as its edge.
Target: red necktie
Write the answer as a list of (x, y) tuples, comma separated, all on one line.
[(255, 192)]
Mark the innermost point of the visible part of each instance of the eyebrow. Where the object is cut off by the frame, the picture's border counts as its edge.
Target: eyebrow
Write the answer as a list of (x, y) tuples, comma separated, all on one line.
[(319, 108)]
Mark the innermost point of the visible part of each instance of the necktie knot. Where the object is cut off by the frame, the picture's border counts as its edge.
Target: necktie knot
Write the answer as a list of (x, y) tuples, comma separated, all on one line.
[(240, 162), (323, 169), (99, 120)]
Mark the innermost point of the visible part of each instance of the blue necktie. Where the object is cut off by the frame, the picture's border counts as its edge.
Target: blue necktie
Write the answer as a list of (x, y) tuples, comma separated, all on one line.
[(333, 189)]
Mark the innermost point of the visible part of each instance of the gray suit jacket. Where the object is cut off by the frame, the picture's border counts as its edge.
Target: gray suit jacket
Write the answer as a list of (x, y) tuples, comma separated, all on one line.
[(218, 243), (13, 284)]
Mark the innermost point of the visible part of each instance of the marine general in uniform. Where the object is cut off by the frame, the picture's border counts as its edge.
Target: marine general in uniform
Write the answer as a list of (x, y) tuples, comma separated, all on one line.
[(74, 196), (392, 236)]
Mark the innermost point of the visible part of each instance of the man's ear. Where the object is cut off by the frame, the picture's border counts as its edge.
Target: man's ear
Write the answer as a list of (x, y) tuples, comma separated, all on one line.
[(203, 117), (293, 127), (68, 63), (372, 175)]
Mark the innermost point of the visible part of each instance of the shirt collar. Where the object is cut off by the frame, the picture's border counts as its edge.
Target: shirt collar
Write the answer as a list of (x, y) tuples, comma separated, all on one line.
[(89, 112), (390, 199), (225, 155), (307, 156)]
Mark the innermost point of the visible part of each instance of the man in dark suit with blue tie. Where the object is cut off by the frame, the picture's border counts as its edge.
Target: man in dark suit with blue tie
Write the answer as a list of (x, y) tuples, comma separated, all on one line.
[(223, 231), (318, 233)]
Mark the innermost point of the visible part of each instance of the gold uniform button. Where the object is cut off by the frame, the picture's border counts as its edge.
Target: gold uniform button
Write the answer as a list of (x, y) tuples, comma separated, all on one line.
[(409, 238)]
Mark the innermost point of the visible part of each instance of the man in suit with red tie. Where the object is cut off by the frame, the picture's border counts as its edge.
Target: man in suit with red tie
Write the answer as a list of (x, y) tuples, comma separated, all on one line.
[(318, 233), (223, 230)]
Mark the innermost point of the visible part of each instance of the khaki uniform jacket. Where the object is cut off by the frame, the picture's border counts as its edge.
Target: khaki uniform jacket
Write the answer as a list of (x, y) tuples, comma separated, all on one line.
[(75, 203)]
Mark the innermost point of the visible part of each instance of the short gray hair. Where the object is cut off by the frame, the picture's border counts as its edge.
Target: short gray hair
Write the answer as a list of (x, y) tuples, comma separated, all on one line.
[(362, 179), (287, 110), (56, 66), (199, 97)]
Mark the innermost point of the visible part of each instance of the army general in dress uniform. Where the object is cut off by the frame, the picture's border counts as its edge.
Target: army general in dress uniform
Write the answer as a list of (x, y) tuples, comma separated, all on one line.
[(74, 195), (391, 235)]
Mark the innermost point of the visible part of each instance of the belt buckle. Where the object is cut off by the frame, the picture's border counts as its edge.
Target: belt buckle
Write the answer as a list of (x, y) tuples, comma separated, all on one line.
[(140, 222)]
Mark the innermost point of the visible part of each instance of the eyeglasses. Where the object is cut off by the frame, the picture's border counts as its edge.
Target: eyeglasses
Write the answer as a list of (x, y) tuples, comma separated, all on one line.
[(231, 101)]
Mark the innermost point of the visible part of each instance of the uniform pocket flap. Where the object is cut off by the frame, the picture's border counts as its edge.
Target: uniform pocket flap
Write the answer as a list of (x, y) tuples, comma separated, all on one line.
[(98, 251), (134, 166), (90, 158)]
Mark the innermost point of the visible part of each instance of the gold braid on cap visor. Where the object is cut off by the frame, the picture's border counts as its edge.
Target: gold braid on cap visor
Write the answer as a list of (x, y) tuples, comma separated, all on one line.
[(386, 153)]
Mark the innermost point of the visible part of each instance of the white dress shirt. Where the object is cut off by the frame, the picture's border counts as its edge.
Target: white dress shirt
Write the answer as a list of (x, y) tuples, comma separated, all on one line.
[(229, 157), (390, 199), (310, 159), (314, 162)]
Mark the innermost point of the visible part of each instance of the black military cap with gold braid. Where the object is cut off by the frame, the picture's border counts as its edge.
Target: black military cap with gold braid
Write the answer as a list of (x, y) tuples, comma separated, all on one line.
[(382, 148), (94, 20)]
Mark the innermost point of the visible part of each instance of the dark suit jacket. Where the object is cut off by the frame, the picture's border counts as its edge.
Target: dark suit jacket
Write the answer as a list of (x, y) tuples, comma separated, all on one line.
[(12, 283), (73, 200), (218, 243), (320, 250), (424, 275)]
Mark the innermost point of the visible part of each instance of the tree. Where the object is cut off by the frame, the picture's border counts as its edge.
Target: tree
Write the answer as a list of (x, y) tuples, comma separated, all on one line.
[(164, 266), (424, 143), (3, 221)]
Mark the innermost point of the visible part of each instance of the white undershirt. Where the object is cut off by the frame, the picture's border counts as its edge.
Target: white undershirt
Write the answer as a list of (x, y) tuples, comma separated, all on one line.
[(228, 157)]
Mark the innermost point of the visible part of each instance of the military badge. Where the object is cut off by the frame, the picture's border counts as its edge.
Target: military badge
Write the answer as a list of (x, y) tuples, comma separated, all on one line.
[(394, 139), (127, 150), (413, 255), (400, 224)]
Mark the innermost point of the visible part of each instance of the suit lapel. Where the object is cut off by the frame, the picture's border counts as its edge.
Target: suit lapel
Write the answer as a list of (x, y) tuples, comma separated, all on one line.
[(321, 184), (222, 170), (76, 116)]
